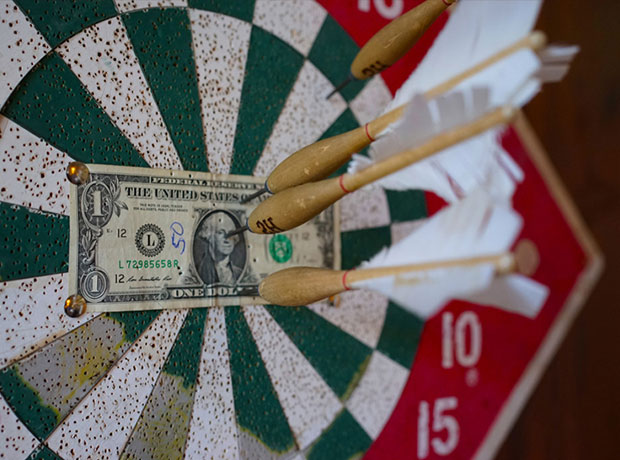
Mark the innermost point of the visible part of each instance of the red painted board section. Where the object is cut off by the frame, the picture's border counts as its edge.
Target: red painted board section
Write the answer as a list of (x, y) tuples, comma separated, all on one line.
[(474, 394)]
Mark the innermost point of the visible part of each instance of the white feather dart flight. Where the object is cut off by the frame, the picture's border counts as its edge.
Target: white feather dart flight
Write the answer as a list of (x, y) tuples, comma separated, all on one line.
[(475, 31), (461, 252), (463, 167), (478, 161), (476, 227), (478, 34)]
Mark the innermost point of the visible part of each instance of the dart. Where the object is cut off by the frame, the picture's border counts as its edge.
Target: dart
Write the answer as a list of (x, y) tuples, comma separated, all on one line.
[(320, 159), (462, 252), (391, 42), (295, 206), (477, 35), (462, 114)]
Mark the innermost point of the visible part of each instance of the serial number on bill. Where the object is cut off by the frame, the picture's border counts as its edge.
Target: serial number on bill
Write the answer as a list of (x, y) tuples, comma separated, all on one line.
[(146, 263)]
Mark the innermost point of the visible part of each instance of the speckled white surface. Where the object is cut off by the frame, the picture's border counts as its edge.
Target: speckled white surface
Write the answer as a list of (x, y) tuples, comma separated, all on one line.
[(220, 48), (124, 6), (32, 172), (32, 315), (304, 118), (16, 441), (213, 427), (400, 230), (101, 424), (103, 59), (371, 100), (364, 208), (22, 47), (359, 313), (297, 22), (308, 402), (374, 399)]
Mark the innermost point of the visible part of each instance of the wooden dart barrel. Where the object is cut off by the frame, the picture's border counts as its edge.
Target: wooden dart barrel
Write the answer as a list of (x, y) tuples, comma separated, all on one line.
[(390, 44)]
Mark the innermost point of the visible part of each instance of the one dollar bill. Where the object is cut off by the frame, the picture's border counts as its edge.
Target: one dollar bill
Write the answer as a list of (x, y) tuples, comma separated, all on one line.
[(145, 239)]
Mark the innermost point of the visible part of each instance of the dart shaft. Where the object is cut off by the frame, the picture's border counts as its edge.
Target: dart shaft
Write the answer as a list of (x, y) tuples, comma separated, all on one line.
[(504, 263), (376, 171), (389, 44), (535, 41)]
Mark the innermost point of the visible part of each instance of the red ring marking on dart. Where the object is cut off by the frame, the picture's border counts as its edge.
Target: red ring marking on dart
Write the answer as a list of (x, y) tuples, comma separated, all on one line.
[(367, 133), (342, 185), (344, 280)]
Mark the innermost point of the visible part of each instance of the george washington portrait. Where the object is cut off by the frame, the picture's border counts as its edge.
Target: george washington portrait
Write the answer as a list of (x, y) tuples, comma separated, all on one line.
[(217, 258)]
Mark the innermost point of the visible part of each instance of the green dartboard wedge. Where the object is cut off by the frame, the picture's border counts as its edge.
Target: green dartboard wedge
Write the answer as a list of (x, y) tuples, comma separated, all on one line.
[(170, 402), (52, 103), (259, 414), (339, 358), (162, 42)]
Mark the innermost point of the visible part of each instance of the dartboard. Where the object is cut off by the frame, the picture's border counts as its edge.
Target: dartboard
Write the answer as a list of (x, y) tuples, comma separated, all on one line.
[(235, 87)]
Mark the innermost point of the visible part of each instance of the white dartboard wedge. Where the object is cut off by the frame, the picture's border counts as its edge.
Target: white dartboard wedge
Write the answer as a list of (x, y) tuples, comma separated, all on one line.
[(475, 31), (479, 161), (480, 225)]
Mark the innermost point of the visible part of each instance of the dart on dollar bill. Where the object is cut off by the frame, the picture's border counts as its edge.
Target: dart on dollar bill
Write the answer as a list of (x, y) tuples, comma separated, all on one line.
[(152, 239), (463, 252)]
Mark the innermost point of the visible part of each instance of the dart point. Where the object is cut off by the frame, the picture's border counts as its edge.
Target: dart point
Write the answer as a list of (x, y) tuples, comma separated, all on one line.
[(254, 195), (237, 231), (349, 79)]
